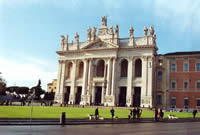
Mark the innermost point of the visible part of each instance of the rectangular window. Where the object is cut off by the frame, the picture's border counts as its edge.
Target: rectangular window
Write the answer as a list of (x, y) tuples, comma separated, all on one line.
[(185, 84), (186, 67), (198, 66), (198, 84), (186, 103), (173, 84), (173, 102), (198, 102), (159, 99), (173, 67)]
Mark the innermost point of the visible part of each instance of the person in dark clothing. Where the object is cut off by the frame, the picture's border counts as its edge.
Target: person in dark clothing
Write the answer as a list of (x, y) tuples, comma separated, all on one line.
[(112, 111), (96, 113), (138, 113), (130, 115), (134, 113), (161, 114), (194, 113), (156, 114)]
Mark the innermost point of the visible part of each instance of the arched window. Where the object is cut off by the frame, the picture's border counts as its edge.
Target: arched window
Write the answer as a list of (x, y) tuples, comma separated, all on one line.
[(124, 68), (160, 75), (138, 68), (80, 70), (100, 68), (69, 70)]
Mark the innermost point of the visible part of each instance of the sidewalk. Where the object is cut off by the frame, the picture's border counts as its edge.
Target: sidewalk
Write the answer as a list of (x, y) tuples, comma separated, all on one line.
[(87, 121)]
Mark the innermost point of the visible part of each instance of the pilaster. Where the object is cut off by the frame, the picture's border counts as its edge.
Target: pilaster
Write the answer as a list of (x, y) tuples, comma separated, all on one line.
[(73, 83), (84, 86), (129, 95)]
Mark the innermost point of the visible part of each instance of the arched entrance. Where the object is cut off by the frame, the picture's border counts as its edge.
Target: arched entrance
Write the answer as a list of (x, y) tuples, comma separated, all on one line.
[(137, 96), (98, 91), (66, 96), (78, 95), (122, 96)]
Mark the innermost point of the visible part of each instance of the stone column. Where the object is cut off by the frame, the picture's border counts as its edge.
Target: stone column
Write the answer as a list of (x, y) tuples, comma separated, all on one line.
[(113, 88), (73, 83), (90, 81), (93, 94), (84, 85), (62, 82), (57, 95), (102, 94), (109, 77), (113, 77), (144, 82), (129, 95)]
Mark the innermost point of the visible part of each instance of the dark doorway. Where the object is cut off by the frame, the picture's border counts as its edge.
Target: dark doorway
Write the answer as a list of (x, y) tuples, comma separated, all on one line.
[(122, 96), (67, 93), (78, 95), (137, 97), (98, 92)]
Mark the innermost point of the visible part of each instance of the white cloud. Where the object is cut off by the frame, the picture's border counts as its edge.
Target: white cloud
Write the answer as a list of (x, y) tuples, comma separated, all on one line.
[(25, 74)]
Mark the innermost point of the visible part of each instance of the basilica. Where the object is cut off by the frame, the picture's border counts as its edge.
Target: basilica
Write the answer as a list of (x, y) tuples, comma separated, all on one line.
[(107, 70)]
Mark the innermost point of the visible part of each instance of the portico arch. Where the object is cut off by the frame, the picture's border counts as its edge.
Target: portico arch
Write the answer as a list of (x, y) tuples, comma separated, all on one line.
[(80, 69), (138, 68), (124, 68), (100, 68), (69, 70)]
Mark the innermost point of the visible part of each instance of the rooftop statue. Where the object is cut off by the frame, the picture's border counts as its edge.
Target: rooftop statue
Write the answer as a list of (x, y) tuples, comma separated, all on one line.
[(104, 21)]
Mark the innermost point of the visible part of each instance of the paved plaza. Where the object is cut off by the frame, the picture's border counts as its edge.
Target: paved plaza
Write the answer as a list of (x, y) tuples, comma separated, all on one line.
[(187, 128)]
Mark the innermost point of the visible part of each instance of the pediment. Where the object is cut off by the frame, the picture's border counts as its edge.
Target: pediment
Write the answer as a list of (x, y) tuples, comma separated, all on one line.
[(99, 45)]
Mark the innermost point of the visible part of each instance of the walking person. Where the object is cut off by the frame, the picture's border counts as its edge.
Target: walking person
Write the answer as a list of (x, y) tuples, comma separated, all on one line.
[(161, 114), (156, 114), (112, 111), (130, 115), (134, 113), (138, 112), (194, 113), (96, 113)]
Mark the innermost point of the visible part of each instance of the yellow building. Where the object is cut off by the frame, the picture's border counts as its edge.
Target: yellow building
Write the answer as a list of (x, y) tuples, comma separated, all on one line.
[(52, 86)]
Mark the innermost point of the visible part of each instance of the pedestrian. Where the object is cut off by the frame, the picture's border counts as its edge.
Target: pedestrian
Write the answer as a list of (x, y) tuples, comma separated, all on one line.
[(194, 113), (134, 113), (112, 111), (156, 114), (161, 114), (96, 113), (130, 115), (138, 112)]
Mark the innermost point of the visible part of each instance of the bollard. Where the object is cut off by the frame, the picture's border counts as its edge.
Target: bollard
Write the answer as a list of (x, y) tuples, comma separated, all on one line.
[(62, 118)]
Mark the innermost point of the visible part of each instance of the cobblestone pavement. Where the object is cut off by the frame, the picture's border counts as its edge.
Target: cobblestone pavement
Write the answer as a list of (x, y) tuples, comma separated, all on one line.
[(187, 128)]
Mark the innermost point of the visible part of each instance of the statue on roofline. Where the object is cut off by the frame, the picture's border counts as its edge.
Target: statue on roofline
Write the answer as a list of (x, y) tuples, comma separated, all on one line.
[(104, 21)]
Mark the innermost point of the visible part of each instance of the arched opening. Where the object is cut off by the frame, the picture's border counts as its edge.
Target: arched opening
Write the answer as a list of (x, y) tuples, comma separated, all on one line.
[(138, 68), (124, 68), (80, 69), (69, 70), (100, 68)]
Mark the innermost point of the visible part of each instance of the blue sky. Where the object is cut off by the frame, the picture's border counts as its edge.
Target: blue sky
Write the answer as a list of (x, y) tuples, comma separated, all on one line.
[(30, 30)]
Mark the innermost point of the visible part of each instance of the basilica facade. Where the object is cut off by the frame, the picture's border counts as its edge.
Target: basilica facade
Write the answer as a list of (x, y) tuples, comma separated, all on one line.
[(106, 69)]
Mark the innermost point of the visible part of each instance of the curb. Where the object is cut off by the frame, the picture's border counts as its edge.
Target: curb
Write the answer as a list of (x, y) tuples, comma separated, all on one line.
[(38, 122)]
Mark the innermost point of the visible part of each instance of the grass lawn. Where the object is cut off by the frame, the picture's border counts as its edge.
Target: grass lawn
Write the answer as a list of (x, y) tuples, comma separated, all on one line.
[(73, 112)]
